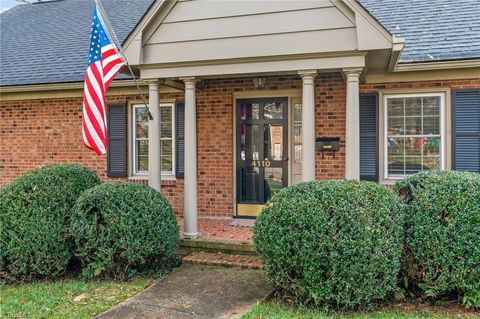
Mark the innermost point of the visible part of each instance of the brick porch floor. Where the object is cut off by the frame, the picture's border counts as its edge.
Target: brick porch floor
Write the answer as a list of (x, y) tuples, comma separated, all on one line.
[(223, 229)]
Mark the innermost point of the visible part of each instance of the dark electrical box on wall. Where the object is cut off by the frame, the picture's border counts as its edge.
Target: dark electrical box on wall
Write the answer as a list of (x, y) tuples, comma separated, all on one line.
[(328, 144)]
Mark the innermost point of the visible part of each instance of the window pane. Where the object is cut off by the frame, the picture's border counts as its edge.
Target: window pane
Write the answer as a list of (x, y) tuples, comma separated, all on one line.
[(249, 142), (273, 139), (166, 146), (273, 181), (297, 131), (166, 130), (273, 110), (166, 121), (414, 146), (141, 122), (431, 146), (431, 106), (413, 125), (431, 125), (396, 146), (431, 163), (395, 106), (141, 138), (250, 111), (167, 163), (250, 183), (141, 148), (395, 165), (167, 155), (413, 164), (395, 126), (413, 106)]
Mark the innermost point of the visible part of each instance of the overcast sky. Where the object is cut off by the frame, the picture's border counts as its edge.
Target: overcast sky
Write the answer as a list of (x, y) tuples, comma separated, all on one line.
[(7, 4)]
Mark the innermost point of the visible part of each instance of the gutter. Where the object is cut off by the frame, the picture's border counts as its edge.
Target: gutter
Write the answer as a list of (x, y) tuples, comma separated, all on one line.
[(79, 86), (437, 65)]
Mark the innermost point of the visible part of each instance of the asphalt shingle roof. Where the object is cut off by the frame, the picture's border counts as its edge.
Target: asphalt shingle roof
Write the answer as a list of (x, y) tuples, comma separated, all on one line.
[(48, 42), (433, 29)]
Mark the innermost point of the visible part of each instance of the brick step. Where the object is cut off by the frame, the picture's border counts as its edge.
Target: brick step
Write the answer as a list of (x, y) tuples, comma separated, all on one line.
[(218, 245), (222, 259)]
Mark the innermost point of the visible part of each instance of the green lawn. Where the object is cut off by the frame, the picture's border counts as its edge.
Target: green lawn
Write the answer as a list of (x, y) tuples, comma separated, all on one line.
[(66, 298), (272, 310)]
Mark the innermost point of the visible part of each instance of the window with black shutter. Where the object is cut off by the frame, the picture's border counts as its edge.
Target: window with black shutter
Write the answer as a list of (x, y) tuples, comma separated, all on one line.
[(466, 130), (180, 140), (117, 140), (369, 137)]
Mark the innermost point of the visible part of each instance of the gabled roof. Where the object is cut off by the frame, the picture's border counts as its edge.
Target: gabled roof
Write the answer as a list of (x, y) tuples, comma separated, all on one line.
[(433, 29), (47, 42)]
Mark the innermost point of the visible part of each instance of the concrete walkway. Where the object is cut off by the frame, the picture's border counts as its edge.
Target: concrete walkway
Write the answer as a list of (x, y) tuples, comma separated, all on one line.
[(196, 291)]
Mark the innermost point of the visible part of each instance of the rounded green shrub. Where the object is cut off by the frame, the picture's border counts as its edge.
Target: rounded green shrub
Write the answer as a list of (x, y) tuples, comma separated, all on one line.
[(122, 227), (442, 231), (34, 214), (332, 243)]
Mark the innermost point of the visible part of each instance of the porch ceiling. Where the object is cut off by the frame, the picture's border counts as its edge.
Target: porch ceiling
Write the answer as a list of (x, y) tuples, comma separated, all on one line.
[(210, 38)]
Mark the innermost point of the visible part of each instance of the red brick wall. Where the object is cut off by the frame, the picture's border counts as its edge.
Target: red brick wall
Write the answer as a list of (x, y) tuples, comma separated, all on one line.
[(35, 133), (40, 132)]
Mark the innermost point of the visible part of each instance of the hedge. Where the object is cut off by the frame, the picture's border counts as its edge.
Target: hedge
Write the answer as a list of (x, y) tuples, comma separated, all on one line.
[(34, 213), (332, 243), (121, 227), (442, 231)]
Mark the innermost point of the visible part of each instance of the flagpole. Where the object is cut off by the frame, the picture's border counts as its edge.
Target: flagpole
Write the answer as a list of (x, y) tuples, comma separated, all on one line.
[(114, 38), (119, 47)]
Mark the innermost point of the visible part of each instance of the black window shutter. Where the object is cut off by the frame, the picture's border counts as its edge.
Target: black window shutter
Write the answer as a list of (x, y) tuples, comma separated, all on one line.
[(369, 137), (180, 140), (466, 130), (117, 140)]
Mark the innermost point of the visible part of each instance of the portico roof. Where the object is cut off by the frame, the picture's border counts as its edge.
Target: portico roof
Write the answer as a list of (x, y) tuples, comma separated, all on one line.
[(208, 38)]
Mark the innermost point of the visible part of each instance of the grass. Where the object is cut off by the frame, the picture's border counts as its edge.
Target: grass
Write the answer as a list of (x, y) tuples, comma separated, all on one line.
[(72, 298), (274, 310)]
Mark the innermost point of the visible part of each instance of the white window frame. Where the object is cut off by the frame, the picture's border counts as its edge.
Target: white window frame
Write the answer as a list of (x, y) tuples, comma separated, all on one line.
[(443, 155), (134, 171)]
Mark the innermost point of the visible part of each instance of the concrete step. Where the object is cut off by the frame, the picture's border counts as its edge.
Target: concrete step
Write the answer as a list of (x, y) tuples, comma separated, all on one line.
[(222, 259)]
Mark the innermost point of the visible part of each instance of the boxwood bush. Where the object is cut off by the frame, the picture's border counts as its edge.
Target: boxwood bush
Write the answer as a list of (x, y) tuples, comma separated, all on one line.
[(121, 227), (34, 214), (332, 243), (442, 231)]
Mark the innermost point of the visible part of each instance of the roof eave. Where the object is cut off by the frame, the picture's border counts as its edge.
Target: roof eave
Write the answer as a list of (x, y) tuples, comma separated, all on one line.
[(437, 65)]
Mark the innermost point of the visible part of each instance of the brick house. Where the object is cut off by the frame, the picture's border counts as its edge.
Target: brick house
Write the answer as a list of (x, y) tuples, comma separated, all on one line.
[(248, 96)]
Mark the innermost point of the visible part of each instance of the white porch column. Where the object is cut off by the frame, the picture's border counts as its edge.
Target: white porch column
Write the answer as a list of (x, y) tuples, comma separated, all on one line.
[(154, 161), (308, 124), (190, 174), (352, 124)]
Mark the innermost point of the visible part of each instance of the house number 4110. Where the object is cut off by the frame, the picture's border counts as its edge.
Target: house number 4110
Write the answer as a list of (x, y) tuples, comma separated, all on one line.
[(265, 163)]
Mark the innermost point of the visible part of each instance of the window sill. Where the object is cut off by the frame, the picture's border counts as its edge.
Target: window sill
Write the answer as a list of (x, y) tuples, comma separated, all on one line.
[(169, 177)]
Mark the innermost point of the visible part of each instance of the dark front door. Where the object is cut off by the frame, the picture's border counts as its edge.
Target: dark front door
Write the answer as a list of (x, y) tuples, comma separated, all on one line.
[(262, 152)]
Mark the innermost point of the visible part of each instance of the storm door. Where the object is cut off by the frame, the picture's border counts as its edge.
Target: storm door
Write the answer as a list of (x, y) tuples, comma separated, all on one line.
[(262, 152)]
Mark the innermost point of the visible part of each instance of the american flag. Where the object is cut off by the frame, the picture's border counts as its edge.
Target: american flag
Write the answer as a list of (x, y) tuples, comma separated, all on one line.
[(104, 62)]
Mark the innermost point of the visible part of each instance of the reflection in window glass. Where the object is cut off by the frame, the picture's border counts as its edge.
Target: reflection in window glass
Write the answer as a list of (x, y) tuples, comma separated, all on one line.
[(273, 138), (249, 139), (141, 138), (273, 111), (250, 111), (273, 181), (413, 135), (297, 131), (250, 184)]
